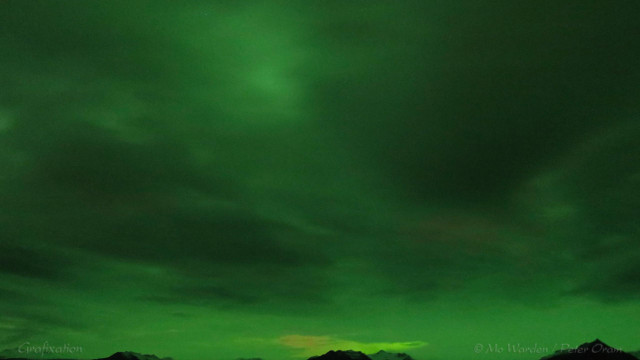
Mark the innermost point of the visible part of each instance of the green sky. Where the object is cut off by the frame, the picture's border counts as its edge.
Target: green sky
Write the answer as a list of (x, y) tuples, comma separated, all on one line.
[(224, 179)]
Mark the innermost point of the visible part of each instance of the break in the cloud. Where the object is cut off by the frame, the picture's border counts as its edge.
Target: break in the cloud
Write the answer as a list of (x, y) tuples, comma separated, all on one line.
[(308, 345)]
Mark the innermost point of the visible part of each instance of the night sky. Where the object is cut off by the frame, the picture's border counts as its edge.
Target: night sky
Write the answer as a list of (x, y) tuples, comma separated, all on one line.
[(224, 179)]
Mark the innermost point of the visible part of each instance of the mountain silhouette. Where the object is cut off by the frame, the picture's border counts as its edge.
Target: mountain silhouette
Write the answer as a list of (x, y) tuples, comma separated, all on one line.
[(124, 355), (596, 350), (341, 355), (383, 355), (130, 355)]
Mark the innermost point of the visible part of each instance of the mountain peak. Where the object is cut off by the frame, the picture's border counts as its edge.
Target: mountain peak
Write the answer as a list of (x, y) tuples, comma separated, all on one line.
[(131, 355), (595, 350), (383, 355), (594, 343), (342, 355)]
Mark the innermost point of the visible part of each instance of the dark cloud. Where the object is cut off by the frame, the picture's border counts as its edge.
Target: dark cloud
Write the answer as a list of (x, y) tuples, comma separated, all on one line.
[(488, 107), (605, 177), (620, 286), (210, 295), (94, 164), (29, 263)]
